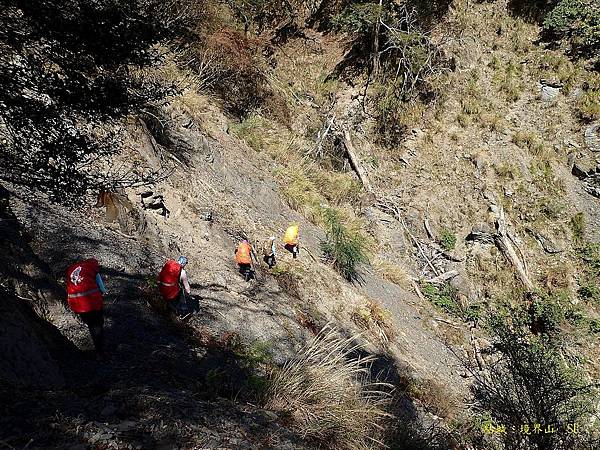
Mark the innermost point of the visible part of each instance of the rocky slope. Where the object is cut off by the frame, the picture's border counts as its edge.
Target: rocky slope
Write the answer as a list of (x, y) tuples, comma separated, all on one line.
[(501, 136)]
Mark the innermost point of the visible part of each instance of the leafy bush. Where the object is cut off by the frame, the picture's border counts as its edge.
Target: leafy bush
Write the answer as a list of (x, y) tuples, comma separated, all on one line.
[(344, 248), (357, 18), (447, 239), (443, 297), (579, 22), (329, 392), (547, 312), (530, 383)]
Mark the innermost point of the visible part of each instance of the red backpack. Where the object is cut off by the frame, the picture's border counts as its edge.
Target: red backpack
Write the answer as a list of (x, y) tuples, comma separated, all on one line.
[(83, 294), (168, 280)]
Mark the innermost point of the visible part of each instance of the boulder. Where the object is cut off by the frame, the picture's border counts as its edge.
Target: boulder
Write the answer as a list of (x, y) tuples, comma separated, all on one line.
[(592, 137), (549, 93)]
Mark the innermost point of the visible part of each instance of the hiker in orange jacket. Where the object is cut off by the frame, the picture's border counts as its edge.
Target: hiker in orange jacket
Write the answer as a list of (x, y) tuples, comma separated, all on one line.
[(243, 257), (84, 295), (174, 286)]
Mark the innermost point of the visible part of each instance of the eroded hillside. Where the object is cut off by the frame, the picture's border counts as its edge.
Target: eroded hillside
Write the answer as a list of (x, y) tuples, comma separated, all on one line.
[(453, 146)]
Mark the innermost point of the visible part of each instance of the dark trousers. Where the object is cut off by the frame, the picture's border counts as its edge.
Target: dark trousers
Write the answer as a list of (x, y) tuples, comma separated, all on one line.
[(246, 270), (293, 249), (180, 304), (95, 322), (270, 260)]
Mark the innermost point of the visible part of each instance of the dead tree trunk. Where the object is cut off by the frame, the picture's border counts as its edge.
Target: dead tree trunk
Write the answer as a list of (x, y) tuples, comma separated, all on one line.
[(505, 245), (355, 162)]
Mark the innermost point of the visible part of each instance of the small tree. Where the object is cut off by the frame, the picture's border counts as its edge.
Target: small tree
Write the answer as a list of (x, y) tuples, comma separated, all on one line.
[(344, 248), (531, 383), (577, 21)]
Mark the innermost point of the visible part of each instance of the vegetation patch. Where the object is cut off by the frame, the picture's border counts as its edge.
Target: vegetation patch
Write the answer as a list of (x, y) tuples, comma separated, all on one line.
[(577, 22), (577, 225), (344, 248), (447, 239), (508, 79), (588, 104), (589, 281), (528, 140), (444, 297), (529, 382), (329, 393), (374, 317)]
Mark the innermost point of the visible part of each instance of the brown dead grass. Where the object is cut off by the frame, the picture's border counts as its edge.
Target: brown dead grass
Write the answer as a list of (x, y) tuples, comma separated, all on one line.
[(373, 317)]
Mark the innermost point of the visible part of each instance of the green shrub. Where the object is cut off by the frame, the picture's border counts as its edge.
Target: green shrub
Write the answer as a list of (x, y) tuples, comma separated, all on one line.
[(473, 313), (357, 18), (579, 22), (344, 248), (547, 312), (447, 239), (529, 383), (577, 225), (443, 297)]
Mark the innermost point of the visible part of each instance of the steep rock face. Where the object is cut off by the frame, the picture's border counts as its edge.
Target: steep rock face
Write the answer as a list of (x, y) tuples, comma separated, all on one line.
[(28, 344), (24, 340)]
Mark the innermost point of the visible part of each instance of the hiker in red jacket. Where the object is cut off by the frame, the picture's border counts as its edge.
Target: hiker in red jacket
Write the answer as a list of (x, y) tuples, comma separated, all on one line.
[(174, 285), (84, 295)]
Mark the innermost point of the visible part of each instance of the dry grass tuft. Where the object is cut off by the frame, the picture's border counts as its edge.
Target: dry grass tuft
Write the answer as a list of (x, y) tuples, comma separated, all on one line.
[(530, 141), (330, 394), (437, 398), (375, 318), (393, 273)]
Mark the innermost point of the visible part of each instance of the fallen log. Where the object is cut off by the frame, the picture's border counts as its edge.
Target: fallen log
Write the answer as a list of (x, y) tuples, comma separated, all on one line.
[(441, 279), (505, 245), (355, 161)]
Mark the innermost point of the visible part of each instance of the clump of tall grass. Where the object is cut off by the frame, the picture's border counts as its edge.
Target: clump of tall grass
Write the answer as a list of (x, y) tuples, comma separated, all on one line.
[(344, 247), (329, 392)]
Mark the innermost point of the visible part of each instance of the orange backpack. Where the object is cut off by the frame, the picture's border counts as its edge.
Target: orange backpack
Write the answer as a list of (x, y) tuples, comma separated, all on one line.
[(243, 253)]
